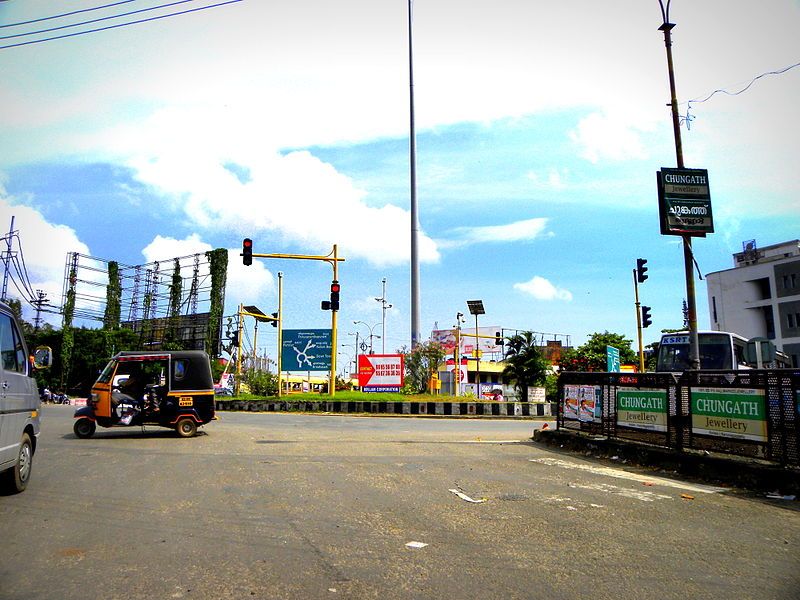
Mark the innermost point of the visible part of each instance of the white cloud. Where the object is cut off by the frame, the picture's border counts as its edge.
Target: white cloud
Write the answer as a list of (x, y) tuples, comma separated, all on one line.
[(603, 136), (528, 229), (541, 289), (44, 249), (295, 196)]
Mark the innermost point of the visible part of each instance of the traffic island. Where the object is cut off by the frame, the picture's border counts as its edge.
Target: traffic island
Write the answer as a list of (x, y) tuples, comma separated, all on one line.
[(724, 469)]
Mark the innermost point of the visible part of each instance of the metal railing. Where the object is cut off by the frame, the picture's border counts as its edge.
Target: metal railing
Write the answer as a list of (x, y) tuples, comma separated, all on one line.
[(753, 413)]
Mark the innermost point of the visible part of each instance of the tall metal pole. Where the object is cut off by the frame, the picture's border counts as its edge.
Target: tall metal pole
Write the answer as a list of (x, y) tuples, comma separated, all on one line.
[(280, 332), (334, 314), (477, 359), (383, 317), (412, 150), (688, 261)]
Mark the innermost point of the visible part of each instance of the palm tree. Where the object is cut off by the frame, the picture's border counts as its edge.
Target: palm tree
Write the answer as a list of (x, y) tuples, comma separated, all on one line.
[(525, 364)]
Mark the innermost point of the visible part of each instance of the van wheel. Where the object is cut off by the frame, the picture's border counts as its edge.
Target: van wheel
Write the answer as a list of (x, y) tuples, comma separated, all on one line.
[(16, 478), (186, 428), (84, 428)]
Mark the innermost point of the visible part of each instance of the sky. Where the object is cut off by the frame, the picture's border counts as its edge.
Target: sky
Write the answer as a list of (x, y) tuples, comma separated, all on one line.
[(539, 130)]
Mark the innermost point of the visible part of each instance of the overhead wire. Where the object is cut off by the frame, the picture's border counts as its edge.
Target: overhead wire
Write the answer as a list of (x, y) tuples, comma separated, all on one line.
[(154, 18), (98, 20), (69, 14), (688, 118)]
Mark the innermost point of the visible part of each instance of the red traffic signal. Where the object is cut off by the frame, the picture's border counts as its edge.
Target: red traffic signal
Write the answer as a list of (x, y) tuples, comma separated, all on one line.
[(247, 251), (335, 288)]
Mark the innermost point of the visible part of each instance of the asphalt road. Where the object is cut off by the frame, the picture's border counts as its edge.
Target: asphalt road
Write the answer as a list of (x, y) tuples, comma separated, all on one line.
[(314, 506)]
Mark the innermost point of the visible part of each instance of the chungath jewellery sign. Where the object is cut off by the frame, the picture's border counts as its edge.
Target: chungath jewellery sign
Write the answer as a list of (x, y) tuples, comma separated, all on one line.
[(684, 202), (731, 413), (642, 408)]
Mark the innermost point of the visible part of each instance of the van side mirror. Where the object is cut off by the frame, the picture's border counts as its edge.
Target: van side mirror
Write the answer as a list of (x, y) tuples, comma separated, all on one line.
[(43, 357)]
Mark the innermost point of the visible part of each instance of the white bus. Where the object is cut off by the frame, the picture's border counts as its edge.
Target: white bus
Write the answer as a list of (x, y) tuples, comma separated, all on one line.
[(718, 350)]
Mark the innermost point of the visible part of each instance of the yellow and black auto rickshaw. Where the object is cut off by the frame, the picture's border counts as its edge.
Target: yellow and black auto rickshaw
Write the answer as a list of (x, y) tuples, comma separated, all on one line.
[(173, 389)]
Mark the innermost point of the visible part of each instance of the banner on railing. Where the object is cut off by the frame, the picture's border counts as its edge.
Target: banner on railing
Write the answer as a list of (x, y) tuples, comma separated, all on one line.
[(583, 403), (734, 413), (642, 408)]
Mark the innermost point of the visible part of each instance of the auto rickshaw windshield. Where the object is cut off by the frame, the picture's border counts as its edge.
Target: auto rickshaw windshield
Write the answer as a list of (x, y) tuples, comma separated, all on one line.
[(105, 376)]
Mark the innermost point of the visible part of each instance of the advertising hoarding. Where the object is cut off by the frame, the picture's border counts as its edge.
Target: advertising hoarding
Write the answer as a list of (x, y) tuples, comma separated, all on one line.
[(380, 372)]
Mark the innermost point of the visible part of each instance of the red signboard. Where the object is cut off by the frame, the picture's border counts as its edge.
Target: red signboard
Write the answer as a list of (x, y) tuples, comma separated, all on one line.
[(384, 371)]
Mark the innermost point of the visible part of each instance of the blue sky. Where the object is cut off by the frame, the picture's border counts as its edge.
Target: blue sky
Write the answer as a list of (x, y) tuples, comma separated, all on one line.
[(540, 127)]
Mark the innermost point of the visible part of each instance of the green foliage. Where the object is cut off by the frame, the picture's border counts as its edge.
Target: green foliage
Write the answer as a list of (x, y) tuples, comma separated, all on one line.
[(171, 340), (218, 265), (113, 311), (420, 364), (526, 366), (261, 383), (551, 387), (67, 338), (591, 356)]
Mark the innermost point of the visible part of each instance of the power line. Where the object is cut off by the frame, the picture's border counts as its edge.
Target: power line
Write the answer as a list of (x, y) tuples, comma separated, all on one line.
[(98, 20), (74, 12), (77, 33), (745, 88)]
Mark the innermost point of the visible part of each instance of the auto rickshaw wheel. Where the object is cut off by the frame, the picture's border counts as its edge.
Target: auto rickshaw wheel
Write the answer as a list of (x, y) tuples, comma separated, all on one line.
[(186, 428), (84, 428)]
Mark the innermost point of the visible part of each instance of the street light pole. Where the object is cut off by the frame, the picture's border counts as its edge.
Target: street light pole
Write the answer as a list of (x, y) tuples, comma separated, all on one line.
[(688, 258), (412, 152), (384, 306)]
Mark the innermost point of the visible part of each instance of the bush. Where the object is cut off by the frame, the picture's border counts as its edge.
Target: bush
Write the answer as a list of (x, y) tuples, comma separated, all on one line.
[(261, 383)]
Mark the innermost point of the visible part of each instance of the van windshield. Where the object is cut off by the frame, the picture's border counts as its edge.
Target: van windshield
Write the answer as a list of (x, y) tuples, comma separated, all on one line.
[(715, 353)]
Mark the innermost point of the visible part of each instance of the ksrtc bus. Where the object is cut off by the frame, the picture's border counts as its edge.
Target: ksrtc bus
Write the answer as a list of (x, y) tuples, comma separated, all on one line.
[(718, 350)]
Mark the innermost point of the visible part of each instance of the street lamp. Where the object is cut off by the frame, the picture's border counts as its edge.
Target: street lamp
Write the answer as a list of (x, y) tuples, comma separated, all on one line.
[(476, 308), (371, 335), (384, 306)]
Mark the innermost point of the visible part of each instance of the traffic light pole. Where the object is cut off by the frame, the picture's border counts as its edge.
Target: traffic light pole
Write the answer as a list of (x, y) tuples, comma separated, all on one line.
[(333, 259), (638, 319)]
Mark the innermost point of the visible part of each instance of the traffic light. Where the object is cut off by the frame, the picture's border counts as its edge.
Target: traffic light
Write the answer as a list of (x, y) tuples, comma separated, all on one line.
[(498, 338), (247, 251), (647, 320), (641, 269), (335, 287), (275, 319)]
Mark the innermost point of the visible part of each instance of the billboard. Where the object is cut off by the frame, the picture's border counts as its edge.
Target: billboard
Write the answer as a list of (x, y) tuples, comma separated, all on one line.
[(306, 350), (380, 372), (486, 344)]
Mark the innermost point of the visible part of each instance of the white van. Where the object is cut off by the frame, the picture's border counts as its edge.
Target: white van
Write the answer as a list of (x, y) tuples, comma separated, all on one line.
[(19, 404)]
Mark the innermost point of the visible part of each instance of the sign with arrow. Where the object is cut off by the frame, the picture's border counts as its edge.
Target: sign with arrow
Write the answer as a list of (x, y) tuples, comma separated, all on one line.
[(380, 372)]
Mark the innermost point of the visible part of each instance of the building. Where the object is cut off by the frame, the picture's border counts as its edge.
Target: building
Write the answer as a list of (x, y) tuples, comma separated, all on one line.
[(760, 295)]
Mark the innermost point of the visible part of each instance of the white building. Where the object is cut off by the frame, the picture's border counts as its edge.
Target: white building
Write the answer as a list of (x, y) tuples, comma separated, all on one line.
[(760, 295)]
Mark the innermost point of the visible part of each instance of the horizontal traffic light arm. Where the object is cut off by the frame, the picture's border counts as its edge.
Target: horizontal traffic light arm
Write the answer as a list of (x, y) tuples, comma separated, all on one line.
[(327, 258)]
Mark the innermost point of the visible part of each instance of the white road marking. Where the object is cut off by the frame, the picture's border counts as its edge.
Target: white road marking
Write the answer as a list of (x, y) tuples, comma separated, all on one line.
[(620, 474), (492, 441)]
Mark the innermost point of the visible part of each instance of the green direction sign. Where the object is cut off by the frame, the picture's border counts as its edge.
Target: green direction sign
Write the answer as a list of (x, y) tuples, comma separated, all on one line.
[(612, 359), (306, 350), (684, 202)]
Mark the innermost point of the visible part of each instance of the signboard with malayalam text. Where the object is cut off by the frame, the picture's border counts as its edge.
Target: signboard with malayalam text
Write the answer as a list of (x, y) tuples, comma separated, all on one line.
[(684, 202), (306, 350)]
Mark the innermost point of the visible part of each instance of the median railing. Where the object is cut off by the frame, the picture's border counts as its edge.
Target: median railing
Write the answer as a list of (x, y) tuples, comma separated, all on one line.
[(752, 413)]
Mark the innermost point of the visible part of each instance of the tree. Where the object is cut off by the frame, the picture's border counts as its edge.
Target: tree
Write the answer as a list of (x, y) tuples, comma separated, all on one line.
[(526, 366), (421, 363), (592, 355)]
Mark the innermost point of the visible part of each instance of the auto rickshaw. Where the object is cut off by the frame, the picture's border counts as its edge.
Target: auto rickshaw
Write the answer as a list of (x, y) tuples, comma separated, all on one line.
[(173, 389)]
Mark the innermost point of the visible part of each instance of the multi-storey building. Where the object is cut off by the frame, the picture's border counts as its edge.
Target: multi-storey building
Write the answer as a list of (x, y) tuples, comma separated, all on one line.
[(760, 295)]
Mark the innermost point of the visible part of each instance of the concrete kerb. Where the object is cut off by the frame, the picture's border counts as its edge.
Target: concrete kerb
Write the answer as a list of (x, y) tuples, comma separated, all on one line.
[(496, 410), (747, 473)]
